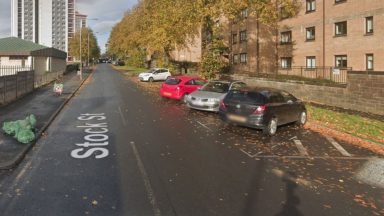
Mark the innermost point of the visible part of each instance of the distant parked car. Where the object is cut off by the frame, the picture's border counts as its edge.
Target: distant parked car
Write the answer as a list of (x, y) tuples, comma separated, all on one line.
[(178, 87), (119, 63), (209, 96), (155, 74), (262, 108)]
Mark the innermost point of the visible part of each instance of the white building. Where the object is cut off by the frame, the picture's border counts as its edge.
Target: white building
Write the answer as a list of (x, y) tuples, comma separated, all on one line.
[(46, 22), (81, 21)]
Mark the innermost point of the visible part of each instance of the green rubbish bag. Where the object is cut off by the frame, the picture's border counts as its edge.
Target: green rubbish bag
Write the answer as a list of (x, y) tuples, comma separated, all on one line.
[(10, 128), (25, 136), (22, 130)]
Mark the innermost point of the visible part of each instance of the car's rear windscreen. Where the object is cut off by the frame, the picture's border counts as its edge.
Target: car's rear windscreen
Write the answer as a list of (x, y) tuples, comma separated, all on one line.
[(172, 81), (250, 97)]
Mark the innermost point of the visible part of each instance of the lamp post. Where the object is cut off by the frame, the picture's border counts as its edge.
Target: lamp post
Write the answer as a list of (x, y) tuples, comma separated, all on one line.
[(81, 60)]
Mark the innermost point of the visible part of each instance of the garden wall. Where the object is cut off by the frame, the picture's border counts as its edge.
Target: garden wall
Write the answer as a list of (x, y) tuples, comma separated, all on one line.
[(364, 91)]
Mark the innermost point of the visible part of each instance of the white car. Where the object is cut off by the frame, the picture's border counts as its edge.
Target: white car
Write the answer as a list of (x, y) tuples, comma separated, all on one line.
[(155, 74)]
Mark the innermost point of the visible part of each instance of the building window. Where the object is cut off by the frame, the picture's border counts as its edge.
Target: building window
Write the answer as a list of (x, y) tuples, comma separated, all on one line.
[(234, 38), (286, 37), (369, 25), (339, 1), (311, 62), (284, 14), (243, 58), (286, 62), (243, 36), (311, 5), (244, 13), (310, 33), (235, 59), (341, 61), (369, 60), (341, 28)]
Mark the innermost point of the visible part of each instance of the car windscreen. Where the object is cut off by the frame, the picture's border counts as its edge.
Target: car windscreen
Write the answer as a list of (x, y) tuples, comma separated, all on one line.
[(245, 96), (218, 87), (172, 81), (200, 82)]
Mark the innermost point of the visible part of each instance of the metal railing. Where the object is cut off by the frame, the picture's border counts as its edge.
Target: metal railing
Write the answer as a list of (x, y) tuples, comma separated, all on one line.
[(13, 70), (337, 75), (327, 74)]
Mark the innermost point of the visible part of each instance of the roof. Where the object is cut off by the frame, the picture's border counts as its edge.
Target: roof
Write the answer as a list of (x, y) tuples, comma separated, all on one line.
[(13, 46)]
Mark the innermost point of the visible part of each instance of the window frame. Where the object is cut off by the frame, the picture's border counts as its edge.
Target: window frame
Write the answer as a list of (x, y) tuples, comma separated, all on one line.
[(310, 6), (340, 1), (367, 20), (341, 56), (287, 33), (234, 38), (241, 58), (312, 61), (345, 28), (308, 29), (367, 61), (244, 13), (243, 36), (288, 61), (235, 59)]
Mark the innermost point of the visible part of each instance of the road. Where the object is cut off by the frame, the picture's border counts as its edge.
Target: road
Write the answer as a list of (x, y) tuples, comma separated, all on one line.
[(118, 150)]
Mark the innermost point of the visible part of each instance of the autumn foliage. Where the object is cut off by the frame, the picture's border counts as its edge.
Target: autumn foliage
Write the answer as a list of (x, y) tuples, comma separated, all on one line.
[(154, 28)]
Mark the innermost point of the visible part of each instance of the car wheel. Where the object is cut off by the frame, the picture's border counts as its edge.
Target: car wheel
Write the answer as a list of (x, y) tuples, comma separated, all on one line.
[(302, 118), (150, 79), (271, 127), (167, 77)]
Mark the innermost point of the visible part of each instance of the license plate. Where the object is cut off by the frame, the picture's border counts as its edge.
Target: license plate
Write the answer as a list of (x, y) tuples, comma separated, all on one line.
[(197, 103), (237, 118), (167, 94)]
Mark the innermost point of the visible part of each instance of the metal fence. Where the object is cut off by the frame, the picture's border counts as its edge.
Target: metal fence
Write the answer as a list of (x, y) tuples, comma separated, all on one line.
[(13, 70), (337, 75), (14, 86)]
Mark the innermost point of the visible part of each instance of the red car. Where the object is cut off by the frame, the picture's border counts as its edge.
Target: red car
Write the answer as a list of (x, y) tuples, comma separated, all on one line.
[(177, 87)]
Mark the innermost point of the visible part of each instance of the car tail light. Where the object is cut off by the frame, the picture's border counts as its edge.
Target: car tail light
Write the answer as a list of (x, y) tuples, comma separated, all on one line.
[(222, 105), (260, 110)]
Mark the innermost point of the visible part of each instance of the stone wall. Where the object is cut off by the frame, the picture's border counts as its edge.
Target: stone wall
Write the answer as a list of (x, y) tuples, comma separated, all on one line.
[(364, 91)]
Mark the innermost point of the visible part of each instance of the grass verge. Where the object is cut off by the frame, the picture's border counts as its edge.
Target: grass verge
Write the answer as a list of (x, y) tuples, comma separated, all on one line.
[(355, 125)]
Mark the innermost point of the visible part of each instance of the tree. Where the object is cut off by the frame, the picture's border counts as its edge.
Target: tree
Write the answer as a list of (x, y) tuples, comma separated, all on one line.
[(159, 26), (74, 45)]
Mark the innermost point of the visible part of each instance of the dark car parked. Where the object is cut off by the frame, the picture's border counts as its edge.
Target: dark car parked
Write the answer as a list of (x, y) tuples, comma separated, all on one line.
[(262, 108)]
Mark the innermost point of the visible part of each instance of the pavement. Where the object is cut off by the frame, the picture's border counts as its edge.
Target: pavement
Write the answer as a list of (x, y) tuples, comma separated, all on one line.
[(45, 105)]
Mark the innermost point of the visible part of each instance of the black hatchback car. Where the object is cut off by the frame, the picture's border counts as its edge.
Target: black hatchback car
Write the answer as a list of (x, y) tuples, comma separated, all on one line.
[(262, 108)]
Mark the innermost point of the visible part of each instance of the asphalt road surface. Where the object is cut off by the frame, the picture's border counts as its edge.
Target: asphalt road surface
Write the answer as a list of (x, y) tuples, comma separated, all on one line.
[(116, 149)]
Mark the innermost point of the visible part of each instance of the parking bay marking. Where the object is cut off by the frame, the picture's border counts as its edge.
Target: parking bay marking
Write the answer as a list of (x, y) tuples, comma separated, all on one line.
[(204, 125), (147, 184), (303, 151), (338, 147)]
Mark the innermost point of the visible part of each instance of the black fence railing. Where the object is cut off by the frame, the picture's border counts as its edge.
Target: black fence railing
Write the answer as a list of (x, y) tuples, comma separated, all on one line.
[(337, 75), (13, 70)]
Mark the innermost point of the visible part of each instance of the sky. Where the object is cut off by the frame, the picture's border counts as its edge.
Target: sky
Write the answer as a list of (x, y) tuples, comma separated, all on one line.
[(107, 13)]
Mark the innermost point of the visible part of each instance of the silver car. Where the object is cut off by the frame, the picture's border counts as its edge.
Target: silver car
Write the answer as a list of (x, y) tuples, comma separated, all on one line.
[(209, 96)]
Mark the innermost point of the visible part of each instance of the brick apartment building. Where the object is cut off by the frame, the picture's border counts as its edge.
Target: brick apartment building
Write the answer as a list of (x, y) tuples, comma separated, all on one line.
[(325, 34)]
